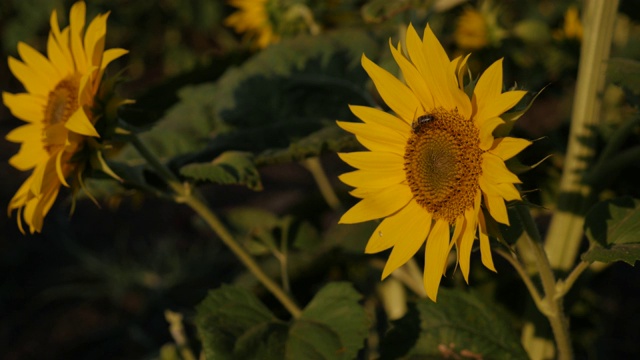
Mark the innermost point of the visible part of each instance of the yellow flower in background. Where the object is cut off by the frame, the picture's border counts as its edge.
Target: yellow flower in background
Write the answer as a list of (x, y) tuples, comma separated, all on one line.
[(265, 21), (478, 28), (252, 19), (572, 25), (471, 30), (434, 169), (57, 107)]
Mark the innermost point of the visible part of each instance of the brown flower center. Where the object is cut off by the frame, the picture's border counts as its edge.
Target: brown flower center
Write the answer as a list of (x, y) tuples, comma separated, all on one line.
[(62, 103), (443, 163)]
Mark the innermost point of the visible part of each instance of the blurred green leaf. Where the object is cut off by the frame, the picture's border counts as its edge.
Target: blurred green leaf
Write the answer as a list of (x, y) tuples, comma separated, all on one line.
[(231, 315), (336, 307), (459, 323), (254, 228), (614, 228), (625, 72), (231, 167)]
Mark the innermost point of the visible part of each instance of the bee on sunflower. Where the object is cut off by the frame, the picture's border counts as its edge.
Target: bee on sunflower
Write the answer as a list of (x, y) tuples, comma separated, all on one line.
[(434, 170)]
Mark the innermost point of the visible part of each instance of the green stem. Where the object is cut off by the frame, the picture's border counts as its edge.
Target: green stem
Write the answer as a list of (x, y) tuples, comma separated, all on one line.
[(565, 285), (565, 231), (551, 305), (535, 295), (216, 225), (186, 196), (315, 168)]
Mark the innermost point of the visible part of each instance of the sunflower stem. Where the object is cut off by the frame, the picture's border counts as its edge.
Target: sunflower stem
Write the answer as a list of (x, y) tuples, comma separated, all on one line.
[(565, 232), (565, 285), (535, 294), (185, 195), (551, 305), (315, 168)]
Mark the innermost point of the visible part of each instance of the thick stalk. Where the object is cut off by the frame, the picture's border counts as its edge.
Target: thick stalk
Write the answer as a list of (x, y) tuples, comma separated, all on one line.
[(565, 232), (552, 305)]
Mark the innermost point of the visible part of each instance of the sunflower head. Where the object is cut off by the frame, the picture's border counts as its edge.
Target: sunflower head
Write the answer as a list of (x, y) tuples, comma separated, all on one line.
[(433, 172), (60, 108), (265, 22)]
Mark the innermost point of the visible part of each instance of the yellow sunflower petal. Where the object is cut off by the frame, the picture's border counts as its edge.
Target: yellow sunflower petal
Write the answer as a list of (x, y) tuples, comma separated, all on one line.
[(507, 147), (485, 247), (58, 58), (76, 26), (384, 203), (393, 229), (435, 255), (501, 104), (409, 238), (374, 132), (505, 190), (488, 88), (25, 106), (376, 116), (376, 146), (40, 65), (438, 70), (494, 169), (94, 39), (486, 132), (372, 179), (62, 40), (394, 93), (497, 208), (362, 193), (415, 81), (466, 243), (29, 79), (80, 124), (24, 133), (59, 171), (31, 153), (368, 160)]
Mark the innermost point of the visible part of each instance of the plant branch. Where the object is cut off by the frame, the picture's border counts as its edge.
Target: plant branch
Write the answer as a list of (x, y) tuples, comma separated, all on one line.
[(535, 294)]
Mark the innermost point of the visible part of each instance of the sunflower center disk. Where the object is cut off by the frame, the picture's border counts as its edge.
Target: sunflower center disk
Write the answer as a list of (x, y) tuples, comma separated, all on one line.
[(443, 162), (62, 103)]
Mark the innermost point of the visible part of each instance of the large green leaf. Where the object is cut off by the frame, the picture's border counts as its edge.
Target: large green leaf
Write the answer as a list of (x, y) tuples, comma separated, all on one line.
[(231, 316), (459, 323), (614, 228), (234, 324), (336, 307)]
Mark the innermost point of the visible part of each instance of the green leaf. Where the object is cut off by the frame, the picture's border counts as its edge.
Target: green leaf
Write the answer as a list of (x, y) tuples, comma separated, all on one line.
[(625, 72), (459, 323), (336, 307), (614, 228), (231, 167), (309, 340), (234, 324)]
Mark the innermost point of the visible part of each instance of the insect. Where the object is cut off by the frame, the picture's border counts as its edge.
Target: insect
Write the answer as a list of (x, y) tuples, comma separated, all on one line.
[(420, 121)]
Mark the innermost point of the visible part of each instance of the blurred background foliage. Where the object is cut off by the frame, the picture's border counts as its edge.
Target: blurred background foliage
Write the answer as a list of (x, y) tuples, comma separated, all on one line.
[(96, 285)]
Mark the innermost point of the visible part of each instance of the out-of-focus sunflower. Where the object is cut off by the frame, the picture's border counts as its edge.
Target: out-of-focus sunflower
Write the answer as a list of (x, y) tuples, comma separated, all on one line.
[(266, 21), (252, 19), (58, 107), (478, 28), (572, 27), (434, 170)]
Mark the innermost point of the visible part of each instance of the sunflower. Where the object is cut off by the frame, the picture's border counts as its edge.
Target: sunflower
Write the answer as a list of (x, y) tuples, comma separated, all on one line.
[(478, 28), (252, 18), (434, 170), (58, 108)]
